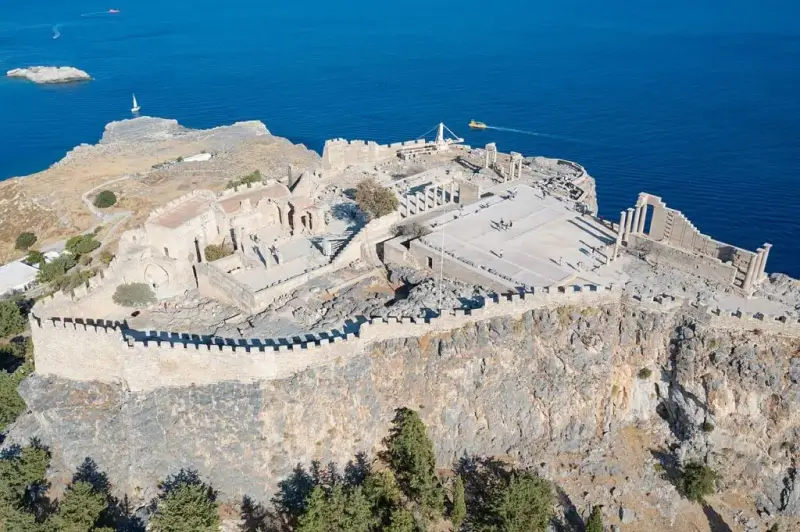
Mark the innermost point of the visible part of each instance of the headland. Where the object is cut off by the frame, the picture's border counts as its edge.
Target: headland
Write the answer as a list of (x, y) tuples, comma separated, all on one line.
[(492, 295)]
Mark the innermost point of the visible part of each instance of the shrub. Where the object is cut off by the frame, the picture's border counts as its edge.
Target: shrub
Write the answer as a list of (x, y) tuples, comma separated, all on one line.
[(707, 426), (106, 257), (374, 199), (410, 454), (82, 244), (35, 257), (134, 295), (697, 481), (412, 230), (214, 252), (73, 280), (55, 268), (644, 373), (254, 177), (11, 319), (85, 260), (25, 241), (595, 522), (105, 199)]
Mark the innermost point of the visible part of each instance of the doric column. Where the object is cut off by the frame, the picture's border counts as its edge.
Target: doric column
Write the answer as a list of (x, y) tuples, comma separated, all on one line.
[(642, 219), (417, 199), (201, 249), (637, 212), (486, 163), (240, 240), (767, 247), (620, 231), (628, 223), (748, 278), (453, 192)]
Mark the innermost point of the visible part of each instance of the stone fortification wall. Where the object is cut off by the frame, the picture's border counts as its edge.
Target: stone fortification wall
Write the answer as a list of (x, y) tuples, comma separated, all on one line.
[(96, 350), (215, 283), (200, 193), (338, 154)]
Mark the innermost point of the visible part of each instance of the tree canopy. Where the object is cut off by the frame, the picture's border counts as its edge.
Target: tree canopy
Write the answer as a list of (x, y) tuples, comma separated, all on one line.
[(698, 481), (410, 455), (105, 199), (186, 505), (12, 320), (595, 522), (374, 199), (82, 244), (25, 240), (134, 295)]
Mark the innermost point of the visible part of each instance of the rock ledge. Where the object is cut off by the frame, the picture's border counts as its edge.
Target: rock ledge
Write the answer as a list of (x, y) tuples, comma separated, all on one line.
[(45, 74)]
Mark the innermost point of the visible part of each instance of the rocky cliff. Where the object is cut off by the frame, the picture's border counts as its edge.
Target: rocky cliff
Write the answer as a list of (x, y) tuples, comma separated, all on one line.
[(558, 389), (48, 75)]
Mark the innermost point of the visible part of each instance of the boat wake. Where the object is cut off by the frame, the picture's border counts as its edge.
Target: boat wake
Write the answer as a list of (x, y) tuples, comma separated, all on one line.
[(98, 13), (56, 32), (547, 135)]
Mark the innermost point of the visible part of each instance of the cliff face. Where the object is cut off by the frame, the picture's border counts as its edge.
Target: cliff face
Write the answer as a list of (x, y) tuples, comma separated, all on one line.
[(562, 382)]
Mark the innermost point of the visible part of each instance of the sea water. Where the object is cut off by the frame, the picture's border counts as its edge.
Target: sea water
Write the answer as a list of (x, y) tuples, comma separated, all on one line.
[(695, 101)]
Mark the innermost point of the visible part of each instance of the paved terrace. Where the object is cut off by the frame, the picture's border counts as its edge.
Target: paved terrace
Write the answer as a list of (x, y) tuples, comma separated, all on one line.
[(548, 242)]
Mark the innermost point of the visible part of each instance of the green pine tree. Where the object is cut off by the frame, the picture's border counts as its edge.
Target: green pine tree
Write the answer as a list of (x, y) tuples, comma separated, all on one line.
[(315, 516), (190, 506), (595, 522), (383, 495), (80, 508), (410, 454), (525, 504), (401, 520), (459, 512)]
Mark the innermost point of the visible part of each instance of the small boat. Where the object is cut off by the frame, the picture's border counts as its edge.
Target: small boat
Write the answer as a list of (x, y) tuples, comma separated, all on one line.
[(135, 108), (113, 10), (477, 125)]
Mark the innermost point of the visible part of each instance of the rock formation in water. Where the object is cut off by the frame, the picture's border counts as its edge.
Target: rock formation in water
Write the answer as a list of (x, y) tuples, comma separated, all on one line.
[(48, 74), (557, 389)]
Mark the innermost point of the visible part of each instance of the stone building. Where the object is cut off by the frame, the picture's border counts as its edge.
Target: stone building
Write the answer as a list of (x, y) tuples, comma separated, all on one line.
[(164, 251)]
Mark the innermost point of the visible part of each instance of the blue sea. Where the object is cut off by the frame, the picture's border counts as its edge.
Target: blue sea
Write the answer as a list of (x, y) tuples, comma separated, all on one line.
[(697, 101)]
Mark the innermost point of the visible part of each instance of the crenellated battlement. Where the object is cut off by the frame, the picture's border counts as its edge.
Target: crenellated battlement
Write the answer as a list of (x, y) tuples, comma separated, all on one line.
[(111, 351)]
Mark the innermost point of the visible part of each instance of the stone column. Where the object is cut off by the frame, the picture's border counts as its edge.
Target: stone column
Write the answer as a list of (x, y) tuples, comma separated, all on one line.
[(748, 278), (642, 219), (637, 212), (418, 199), (628, 222), (767, 247), (511, 165), (486, 162), (453, 192), (620, 231)]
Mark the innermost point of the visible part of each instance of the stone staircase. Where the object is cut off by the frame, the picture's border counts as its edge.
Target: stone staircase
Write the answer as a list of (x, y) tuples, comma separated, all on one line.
[(670, 221)]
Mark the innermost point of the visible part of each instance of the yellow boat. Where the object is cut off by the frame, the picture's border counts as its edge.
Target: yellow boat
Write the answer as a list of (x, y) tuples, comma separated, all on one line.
[(477, 125)]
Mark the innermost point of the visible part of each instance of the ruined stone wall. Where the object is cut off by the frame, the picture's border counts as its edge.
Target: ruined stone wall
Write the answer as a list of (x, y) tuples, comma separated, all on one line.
[(701, 265), (217, 284), (338, 154)]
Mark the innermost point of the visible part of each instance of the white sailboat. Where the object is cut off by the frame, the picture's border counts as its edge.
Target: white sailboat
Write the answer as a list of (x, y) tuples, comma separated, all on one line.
[(135, 108)]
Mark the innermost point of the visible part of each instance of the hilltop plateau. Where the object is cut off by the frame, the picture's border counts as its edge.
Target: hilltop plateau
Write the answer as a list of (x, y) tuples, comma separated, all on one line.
[(138, 159)]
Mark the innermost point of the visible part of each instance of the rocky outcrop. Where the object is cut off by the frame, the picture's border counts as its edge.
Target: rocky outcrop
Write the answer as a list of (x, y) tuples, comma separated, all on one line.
[(556, 382), (48, 74)]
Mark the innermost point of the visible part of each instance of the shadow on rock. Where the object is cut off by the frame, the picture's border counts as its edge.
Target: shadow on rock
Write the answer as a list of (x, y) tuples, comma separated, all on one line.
[(715, 521)]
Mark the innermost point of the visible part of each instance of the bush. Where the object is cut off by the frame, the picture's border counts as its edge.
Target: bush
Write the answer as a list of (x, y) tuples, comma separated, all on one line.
[(11, 404), (11, 319), (412, 230), (134, 295), (82, 244), (214, 252), (644, 373), (697, 481), (410, 454), (374, 199), (73, 280), (25, 241), (707, 426), (35, 257), (105, 199), (595, 522), (254, 177), (55, 268), (106, 257)]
